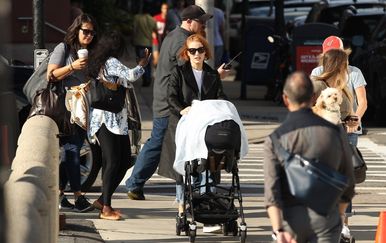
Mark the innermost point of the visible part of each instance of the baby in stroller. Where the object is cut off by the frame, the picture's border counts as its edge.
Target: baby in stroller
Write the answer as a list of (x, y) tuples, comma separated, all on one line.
[(210, 138)]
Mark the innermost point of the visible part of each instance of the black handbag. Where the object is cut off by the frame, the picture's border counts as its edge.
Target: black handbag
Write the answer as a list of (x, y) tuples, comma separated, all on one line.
[(50, 102), (359, 165), (313, 183), (105, 95)]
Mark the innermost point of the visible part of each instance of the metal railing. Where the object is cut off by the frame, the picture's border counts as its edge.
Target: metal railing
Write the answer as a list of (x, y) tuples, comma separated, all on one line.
[(46, 23)]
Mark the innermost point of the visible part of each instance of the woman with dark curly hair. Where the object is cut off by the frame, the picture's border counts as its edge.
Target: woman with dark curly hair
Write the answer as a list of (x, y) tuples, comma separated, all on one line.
[(66, 67), (111, 129)]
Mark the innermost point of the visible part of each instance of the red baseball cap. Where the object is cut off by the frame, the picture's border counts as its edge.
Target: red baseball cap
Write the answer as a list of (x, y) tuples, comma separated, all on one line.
[(332, 42)]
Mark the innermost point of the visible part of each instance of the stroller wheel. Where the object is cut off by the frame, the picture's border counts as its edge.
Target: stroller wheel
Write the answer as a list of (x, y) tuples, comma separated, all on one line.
[(243, 236), (243, 232), (225, 229), (192, 231), (192, 235)]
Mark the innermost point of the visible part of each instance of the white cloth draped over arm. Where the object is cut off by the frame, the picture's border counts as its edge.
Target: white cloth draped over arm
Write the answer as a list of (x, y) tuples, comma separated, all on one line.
[(190, 133)]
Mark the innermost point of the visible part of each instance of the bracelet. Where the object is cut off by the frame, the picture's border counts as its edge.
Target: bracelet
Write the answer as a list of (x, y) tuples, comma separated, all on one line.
[(71, 67), (276, 232)]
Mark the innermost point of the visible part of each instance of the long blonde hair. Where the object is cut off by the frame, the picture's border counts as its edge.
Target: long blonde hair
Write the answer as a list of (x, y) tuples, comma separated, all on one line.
[(335, 70)]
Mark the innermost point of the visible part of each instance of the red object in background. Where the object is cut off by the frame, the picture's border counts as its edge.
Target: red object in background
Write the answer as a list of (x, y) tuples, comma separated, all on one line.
[(307, 58)]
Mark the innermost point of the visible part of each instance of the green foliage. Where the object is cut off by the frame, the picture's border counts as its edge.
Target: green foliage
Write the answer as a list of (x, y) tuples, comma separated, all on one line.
[(108, 15)]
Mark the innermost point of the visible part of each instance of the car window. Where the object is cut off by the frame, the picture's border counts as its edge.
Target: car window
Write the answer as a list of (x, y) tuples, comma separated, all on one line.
[(289, 13)]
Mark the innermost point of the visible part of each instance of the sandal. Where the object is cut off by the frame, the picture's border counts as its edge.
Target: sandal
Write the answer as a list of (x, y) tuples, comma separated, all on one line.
[(111, 215)]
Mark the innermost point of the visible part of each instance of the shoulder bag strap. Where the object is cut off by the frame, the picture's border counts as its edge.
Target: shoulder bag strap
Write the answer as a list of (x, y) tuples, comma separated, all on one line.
[(282, 153)]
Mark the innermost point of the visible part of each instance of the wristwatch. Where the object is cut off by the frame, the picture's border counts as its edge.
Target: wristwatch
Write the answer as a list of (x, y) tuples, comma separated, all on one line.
[(275, 232)]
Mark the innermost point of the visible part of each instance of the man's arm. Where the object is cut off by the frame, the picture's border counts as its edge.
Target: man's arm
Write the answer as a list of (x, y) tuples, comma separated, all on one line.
[(275, 215)]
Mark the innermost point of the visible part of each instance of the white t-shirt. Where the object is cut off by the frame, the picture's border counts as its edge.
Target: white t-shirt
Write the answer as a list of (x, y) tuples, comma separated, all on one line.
[(198, 77)]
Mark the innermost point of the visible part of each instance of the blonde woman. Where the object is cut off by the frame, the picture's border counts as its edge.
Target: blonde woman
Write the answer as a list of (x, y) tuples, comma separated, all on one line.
[(335, 72)]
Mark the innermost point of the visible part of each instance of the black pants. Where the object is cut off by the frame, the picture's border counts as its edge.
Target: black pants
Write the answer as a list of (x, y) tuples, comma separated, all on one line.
[(115, 162)]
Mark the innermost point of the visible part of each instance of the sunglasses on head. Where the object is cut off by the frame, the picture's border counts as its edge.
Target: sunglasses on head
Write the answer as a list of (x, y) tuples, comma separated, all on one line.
[(88, 32), (194, 50)]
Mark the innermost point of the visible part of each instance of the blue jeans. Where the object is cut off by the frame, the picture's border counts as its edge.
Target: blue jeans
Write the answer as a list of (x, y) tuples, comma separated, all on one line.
[(200, 180), (148, 159), (69, 168), (353, 139)]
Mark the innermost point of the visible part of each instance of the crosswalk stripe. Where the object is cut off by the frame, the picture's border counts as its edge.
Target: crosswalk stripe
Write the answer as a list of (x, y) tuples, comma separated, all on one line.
[(252, 174)]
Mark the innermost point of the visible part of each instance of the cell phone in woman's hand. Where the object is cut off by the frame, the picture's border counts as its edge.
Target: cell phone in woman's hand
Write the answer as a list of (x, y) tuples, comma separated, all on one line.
[(351, 118), (228, 65)]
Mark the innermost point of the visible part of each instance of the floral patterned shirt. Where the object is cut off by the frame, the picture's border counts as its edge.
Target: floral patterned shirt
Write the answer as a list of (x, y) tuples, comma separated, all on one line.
[(115, 122)]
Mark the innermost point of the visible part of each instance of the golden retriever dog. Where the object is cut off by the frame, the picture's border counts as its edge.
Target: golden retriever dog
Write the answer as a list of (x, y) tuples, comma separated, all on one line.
[(328, 105)]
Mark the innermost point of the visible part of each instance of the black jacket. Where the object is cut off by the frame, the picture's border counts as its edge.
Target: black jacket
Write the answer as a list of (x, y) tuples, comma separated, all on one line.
[(182, 90)]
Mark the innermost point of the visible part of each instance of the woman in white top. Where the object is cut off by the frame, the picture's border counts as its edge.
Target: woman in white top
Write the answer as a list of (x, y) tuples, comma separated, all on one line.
[(111, 129)]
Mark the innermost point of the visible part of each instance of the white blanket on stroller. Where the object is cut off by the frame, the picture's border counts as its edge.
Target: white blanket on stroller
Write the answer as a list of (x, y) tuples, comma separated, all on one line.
[(191, 128)]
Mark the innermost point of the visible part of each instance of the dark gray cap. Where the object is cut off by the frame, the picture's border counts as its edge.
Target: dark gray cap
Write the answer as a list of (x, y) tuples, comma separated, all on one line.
[(195, 12)]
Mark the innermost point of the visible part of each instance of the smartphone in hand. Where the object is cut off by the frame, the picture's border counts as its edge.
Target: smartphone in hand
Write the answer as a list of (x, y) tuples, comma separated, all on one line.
[(228, 65)]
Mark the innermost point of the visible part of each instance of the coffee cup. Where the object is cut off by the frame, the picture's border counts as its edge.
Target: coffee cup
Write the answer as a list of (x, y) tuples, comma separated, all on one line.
[(82, 53)]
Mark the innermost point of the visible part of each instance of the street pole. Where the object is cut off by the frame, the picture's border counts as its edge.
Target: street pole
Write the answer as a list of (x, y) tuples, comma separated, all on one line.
[(279, 17), (208, 6), (243, 91), (38, 23)]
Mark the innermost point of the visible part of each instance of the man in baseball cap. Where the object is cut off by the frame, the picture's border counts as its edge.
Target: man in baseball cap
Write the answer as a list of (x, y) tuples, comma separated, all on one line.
[(194, 12), (332, 42), (193, 21)]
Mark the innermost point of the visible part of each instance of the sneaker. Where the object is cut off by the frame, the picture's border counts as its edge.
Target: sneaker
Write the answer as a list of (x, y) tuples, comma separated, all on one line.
[(64, 203), (136, 195), (215, 228), (346, 232), (82, 205)]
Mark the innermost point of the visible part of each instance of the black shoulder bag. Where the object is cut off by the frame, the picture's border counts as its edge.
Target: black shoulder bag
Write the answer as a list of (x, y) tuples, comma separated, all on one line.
[(105, 95), (359, 165), (313, 183)]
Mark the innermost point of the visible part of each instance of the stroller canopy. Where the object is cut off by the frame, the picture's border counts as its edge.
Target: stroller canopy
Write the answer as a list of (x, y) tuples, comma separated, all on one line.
[(191, 128)]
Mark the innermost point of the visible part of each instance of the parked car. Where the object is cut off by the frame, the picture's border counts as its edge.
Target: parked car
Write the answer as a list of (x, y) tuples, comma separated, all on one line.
[(331, 11), (264, 9), (370, 57), (91, 158)]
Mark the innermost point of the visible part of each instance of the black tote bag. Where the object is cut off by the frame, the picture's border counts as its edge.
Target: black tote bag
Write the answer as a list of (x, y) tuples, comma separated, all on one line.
[(316, 185), (105, 95)]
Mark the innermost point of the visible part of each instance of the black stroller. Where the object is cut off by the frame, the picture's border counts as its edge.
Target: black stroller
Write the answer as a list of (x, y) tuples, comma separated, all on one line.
[(223, 141)]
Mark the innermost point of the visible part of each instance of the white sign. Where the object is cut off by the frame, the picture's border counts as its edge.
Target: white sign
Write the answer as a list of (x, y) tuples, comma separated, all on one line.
[(260, 60), (39, 55)]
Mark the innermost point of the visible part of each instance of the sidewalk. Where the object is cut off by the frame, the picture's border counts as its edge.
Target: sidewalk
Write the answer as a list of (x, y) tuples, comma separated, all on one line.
[(153, 220)]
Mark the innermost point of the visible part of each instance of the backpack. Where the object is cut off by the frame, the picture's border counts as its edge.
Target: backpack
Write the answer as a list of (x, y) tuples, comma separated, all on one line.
[(38, 79)]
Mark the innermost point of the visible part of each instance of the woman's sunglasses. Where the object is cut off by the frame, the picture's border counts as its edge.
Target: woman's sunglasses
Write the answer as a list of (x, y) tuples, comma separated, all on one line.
[(88, 32), (200, 50)]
